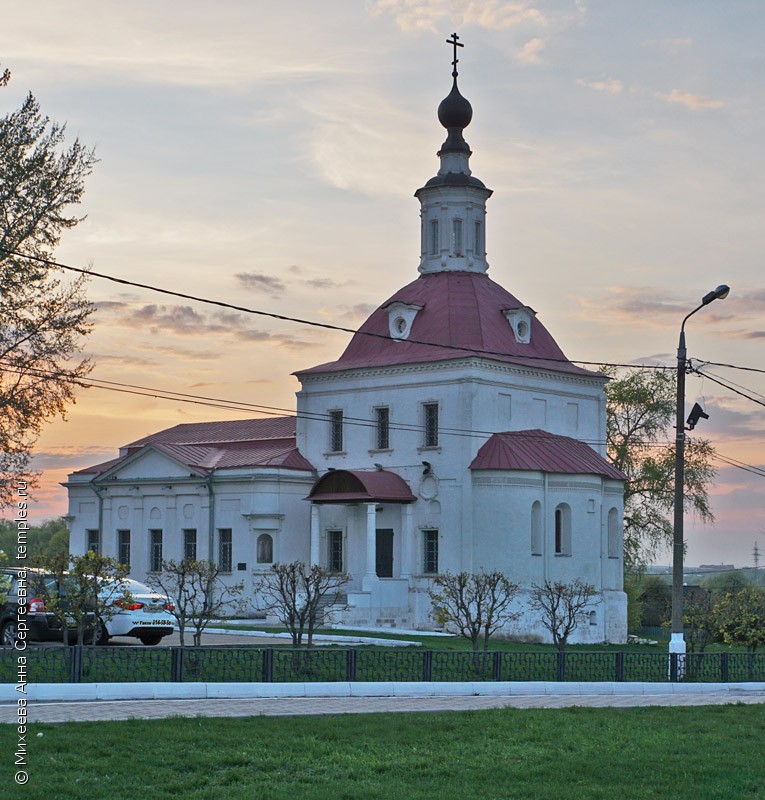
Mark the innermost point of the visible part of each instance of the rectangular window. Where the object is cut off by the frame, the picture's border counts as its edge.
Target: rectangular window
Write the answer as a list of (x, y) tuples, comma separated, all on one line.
[(430, 413), (155, 550), (336, 431), (94, 540), (123, 548), (457, 237), (430, 552), (478, 239), (190, 544), (335, 551), (382, 439), (434, 237), (225, 549)]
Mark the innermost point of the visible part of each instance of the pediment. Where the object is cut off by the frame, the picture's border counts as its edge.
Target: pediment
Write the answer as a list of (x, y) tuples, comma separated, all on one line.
[(150, 463)]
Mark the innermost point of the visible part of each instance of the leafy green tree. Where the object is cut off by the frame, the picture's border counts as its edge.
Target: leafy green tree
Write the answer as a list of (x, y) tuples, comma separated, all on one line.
[(476, 605), (656, 597), (83, 589), (741, 618), (640, 414), (699, 620), (44, 542), (723, 583), (43, 316)]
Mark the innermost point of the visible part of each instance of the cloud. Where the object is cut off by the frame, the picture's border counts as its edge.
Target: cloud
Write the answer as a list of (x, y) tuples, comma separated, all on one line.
[(694, 102), (611, 86), (429, 15), (529, 53), (255, 281), (355, 314), (324, 283)]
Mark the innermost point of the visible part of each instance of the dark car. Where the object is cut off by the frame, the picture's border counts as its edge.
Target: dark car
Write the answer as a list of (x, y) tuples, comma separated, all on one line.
[(42, 625)]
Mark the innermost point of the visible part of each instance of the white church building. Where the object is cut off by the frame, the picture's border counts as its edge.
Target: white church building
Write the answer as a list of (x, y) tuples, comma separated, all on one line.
[(452, 434)]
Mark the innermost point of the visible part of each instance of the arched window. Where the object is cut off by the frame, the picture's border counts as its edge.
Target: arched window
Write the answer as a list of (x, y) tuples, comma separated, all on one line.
[(434, 248), (614, 534), (457, 237), (536, 529), (265, 549), (563, 530)]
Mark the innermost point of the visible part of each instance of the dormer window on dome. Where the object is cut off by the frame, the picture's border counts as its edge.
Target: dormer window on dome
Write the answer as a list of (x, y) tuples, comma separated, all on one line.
[(520, 322), (400, 319)]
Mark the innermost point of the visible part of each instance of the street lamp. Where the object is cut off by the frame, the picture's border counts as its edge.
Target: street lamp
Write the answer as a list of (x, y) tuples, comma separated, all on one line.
[(677, 642)]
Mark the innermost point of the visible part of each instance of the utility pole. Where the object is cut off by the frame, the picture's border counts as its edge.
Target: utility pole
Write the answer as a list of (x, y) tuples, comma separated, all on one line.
[(756, 562)]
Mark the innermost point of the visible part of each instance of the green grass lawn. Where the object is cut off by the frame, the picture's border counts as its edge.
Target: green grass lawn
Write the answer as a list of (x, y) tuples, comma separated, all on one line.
[(713, 752)]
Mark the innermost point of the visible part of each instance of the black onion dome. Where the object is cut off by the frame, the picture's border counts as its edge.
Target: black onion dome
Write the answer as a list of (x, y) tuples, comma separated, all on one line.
[(455, 111)]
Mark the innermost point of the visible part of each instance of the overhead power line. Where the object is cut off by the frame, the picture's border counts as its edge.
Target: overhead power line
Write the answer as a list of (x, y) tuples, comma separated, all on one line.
[(727, 386), (325, 325), (249, 408)]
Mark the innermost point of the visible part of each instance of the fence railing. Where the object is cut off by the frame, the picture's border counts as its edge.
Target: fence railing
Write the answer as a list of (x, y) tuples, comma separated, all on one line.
[(88, 664)]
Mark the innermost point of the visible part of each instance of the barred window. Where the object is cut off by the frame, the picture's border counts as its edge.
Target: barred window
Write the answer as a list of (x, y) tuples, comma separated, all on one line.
[(430, 412), (225, 547), (383, 428), (155, 550), (123, 548), (430, 552), (335, 551), (94, 540), (190, 544), (336, 431)]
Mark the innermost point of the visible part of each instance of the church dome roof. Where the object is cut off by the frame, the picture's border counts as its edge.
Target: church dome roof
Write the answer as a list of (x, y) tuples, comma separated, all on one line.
[(455, 110), (460, 314)]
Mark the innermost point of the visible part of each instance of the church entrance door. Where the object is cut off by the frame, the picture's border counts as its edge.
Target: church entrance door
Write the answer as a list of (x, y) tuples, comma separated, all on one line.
[(384, 553)]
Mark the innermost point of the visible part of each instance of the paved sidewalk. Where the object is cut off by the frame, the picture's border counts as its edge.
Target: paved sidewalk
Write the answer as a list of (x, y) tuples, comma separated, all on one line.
[(82, 711)]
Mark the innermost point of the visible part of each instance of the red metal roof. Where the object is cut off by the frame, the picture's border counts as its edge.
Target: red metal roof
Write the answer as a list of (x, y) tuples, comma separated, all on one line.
[(237, 430), (358, 486), (461, 310), (206, 446), (540, 451)]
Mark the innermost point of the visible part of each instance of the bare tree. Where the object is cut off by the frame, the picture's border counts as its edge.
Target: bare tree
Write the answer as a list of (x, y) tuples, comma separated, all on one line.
[(294, 593), (562, 607), (198, 592), (476, 604)]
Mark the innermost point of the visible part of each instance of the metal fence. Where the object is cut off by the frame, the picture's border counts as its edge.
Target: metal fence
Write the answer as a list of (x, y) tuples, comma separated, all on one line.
[(88, 664)]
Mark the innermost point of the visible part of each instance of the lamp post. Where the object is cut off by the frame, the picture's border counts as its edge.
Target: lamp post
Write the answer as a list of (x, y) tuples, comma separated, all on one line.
[(677, 642)]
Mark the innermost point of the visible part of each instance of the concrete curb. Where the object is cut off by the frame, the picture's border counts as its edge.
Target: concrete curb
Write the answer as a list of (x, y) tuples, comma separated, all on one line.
[(68, 692)]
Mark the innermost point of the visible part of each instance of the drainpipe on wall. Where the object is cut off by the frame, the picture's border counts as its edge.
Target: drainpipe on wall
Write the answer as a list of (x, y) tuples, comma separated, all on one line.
[(98, 490), (211, 518)]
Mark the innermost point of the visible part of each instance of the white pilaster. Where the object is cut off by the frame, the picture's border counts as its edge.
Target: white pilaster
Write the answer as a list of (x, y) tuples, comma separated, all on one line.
[(407, 535), (370, 574), (315, 534)]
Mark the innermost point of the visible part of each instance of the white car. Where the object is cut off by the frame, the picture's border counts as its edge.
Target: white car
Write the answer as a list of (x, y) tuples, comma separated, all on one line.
[(137, 610)]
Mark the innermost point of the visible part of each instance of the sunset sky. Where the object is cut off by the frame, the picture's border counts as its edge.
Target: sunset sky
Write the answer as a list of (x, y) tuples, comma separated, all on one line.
[(266, 154)]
